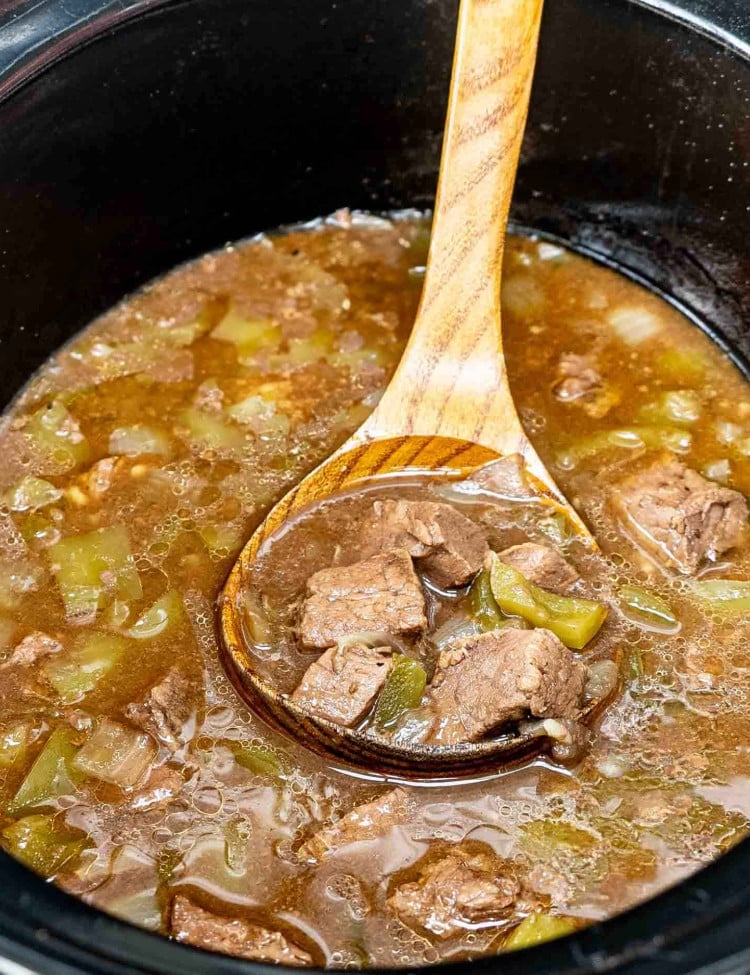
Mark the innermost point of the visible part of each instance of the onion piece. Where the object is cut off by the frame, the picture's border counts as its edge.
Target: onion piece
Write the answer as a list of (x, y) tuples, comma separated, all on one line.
[(633, 324), (138, 439), (116, 754)]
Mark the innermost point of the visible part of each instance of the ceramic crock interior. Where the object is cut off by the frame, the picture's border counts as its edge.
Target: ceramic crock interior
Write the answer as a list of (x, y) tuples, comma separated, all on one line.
[(204, 121)]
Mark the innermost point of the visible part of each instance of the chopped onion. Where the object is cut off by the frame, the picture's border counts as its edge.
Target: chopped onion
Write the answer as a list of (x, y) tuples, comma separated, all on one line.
[(138, 439), (457, 628), (633, 324), (601, 681), (31, 493), (116, 754), (718, 470)]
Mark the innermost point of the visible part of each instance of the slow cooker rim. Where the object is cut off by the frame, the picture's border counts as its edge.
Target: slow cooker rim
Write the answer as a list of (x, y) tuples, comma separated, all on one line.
[(88, 939)]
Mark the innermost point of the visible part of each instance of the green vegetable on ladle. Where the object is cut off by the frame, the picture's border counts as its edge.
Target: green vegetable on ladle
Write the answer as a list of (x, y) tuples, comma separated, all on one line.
[(401, 692), (482, 605), (575, 621)]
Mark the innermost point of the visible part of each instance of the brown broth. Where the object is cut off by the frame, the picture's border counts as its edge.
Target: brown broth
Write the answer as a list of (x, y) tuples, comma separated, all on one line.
[(666, 785)]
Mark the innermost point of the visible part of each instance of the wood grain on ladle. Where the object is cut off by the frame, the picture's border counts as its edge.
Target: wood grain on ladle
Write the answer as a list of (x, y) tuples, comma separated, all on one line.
[(448, 406)]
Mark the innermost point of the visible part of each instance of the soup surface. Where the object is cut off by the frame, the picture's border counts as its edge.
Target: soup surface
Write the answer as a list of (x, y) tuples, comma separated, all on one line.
[(141, 457)]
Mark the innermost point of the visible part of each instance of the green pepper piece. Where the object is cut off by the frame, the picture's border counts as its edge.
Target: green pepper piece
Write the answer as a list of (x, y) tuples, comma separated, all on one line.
[(575, 621), (727, 597), (482, 605), (39, 844), (75, 672), (211, 430), (262, 760), (163, 614), (14, 741), (52, 773), (648, 610), (537, 928), (56, 433), (91, 567), (402, 691)]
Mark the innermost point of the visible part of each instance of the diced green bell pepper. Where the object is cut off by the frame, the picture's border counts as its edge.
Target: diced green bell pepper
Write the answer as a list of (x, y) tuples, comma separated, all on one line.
[(90, 568), (574, 620), (647, 609), (39, 843), (726, 597), (54, 430), (52, 773), (164, 613), (75, 672), (212, 430), (402, 691), (262, 760), (31, 493), (537, 928)]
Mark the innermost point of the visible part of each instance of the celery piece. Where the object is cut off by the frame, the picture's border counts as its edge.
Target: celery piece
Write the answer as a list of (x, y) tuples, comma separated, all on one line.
[(31, 493), (211, 430), (402, 691), (52, 773), (40, 844), (222, 539), (116, 754), (537, 928), (648, 610), (250, 335), (262, 760), (575, 621), (482, 605), (91, 567), (138, 439), (54, 430), (164, 613), (73, 673), (14, 742), (727, 597)]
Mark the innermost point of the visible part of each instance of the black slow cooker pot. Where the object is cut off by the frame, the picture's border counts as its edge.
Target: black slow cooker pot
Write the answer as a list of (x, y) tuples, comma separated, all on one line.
[(135, 134)]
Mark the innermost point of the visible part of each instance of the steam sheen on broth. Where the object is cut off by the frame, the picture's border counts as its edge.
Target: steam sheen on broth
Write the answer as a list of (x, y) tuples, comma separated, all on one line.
[(141, 457)]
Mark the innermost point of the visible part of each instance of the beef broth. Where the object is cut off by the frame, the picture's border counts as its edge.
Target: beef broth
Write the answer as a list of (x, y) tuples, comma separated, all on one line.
[(141, 457)]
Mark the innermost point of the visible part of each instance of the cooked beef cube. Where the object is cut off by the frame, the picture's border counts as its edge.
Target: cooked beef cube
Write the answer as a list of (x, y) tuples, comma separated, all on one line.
[(232, 935), (679, 516), (369, 821), (579, 382), (482, 682), (165, 710), (541, 565), (343, 683), (33, 647), (448, 547), (381, 594), (466, 887), (578, 377)]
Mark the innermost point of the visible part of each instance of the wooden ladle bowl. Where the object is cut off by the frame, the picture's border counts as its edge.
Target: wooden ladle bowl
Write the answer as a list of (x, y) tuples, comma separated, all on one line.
[(448, 407)]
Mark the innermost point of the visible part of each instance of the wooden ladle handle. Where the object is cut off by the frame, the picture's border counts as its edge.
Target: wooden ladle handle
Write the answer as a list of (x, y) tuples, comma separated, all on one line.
[(452, 380)]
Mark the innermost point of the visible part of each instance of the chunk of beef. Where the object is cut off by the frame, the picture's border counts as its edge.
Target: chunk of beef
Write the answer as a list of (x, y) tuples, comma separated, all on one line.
[(381, 593), (579, 382), (679, 516), (482, 682), (577, 378), (369, 821), (232, 935), (541, 565), (448, 547), (464, 888), (343, 683), (33, 647), (165, 710)]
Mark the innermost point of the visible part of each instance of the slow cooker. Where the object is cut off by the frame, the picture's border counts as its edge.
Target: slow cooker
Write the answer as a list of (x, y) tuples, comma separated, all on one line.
[(135, 134)]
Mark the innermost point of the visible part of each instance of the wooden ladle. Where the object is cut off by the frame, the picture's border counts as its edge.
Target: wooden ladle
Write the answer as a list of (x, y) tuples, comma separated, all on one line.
[(448, 406)]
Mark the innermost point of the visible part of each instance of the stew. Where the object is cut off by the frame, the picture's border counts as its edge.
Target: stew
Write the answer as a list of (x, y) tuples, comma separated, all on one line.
[(140, 458)]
